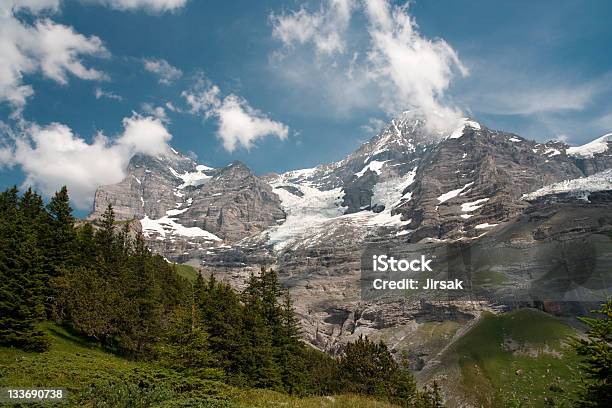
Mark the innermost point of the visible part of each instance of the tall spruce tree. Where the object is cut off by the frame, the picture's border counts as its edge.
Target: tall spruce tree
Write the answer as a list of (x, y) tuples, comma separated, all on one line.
[(596, 351), (61, 250), (21, 275)]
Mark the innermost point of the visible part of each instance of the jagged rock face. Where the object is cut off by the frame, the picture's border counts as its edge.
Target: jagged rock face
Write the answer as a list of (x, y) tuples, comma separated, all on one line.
[(186, 208), (478, 178), (148, 189), (233, 204)]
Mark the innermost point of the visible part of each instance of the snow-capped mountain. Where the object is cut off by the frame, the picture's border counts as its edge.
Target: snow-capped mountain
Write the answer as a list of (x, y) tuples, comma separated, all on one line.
[(487, 191)]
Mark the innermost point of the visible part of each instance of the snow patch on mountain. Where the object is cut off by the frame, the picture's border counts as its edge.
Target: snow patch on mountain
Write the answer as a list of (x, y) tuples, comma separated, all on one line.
[(579, 187), (458, 132), (453, 193), (598, 145), (474, 205), (195, 178), (168, 226), (374, 166), (485, 225), (309, 211)]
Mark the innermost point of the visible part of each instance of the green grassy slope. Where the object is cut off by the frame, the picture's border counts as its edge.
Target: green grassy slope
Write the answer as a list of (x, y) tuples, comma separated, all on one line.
[(97, 378), (517, 359), (187, 271)]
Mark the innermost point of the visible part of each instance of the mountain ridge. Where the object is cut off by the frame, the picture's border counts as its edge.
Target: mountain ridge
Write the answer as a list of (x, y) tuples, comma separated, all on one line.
[(400, 189)]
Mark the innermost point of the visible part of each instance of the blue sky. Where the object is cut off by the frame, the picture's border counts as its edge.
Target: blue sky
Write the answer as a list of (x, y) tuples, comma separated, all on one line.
[(312, 80)]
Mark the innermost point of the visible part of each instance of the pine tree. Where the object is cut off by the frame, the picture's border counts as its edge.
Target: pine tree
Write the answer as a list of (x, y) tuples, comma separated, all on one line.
[(596, 351), (290, 352), (221, 314), (369, 368), (143, 324), (105, 236), (86, 246), (62, 233), (21, 286)]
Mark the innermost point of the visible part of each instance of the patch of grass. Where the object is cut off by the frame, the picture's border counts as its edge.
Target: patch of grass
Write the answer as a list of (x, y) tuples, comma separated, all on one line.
[(518, 359), (267, 398), (95, 377), (486, 278), (187, 271)]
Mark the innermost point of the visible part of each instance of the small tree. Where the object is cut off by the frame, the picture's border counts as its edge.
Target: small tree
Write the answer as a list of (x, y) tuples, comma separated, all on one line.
[(596, 351), (369, 368)]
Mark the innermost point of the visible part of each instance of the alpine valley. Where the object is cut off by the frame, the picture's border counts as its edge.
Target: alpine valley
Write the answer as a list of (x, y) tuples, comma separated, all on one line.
[(529, 223)]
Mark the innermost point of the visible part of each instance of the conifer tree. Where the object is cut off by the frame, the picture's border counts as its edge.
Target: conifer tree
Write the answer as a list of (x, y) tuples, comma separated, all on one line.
[(86, 246), (596, 351), (62, 234), (369, 368), (21, 273), (106, 239), (221, 314), (143, 294)]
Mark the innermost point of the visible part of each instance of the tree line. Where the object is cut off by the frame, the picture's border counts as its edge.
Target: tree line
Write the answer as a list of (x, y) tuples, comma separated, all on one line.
[(101, 282)]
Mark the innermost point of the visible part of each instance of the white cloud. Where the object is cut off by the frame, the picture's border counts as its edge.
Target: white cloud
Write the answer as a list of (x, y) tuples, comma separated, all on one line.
[(158, 112), (101, 93), (387, 63), (166, 72), (52, 156), (34, 6), (172, 108), (44, 46), (374, 126), (239, 124), (154, 6), (323, 28), (417, 71)]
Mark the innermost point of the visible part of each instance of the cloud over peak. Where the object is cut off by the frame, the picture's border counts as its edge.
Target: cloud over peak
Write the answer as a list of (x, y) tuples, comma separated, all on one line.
[(391, 66), (52, 156)]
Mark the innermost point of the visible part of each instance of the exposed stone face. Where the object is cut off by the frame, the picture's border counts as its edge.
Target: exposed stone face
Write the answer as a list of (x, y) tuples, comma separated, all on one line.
[(149, 187), (233, 204), (495, 167), (179, 195)]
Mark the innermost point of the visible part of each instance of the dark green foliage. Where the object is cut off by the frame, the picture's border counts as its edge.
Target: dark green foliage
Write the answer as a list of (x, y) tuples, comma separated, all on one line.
[(368, 368), (22, 274), (596, 351), (119, 294), (60, 248)]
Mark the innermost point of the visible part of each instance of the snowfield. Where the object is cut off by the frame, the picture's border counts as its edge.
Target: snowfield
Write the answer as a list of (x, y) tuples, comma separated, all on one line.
[(580, 187), (474, 205), (318, 214), (304, 213), (374, 166), (598, 145), (196, 178), (168, 226), (458, 132)]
